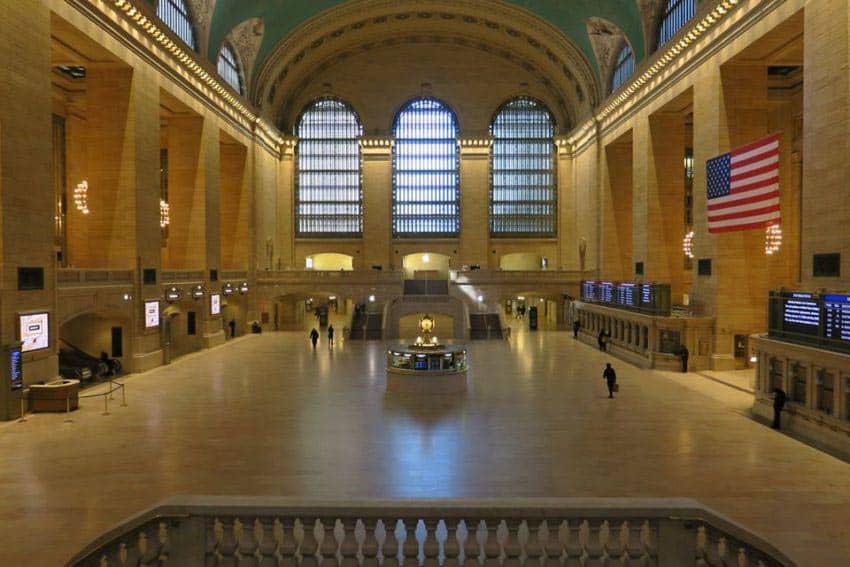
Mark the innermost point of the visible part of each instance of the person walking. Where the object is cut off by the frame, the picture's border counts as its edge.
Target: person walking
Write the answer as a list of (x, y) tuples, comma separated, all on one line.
[(331, 337), (602, 339), (232, 325), (779, 398), (314, 337), (683, 354), (576, 327), (611, 377)]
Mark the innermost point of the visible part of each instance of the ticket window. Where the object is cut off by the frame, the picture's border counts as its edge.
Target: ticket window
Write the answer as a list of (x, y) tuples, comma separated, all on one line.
[(825, 392), (777, 378)]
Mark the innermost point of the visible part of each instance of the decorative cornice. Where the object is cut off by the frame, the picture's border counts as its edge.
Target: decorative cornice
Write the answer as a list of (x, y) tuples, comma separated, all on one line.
[(210, 88)]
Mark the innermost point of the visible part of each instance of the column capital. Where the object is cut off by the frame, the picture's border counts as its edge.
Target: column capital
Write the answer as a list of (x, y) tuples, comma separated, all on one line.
[(376, 147), (475, 146)]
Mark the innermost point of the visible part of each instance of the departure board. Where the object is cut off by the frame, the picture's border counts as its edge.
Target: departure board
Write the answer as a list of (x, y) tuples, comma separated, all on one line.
[(836, 312), (646, 294), (606, 292), (626, 294), (801, 314), (588, 290)]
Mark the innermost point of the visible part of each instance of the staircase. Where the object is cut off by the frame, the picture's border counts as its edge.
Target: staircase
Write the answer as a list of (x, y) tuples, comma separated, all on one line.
[(485, 326)]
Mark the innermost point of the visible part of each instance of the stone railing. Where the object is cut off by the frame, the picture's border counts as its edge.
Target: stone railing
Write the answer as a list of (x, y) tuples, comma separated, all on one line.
[(646, 340), (203, 531), (80, 277), (482, 277), (354, 277), (817, 383), (233, 275)]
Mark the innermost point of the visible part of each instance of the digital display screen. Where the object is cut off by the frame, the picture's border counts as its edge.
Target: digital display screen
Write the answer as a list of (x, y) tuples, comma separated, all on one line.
[(35, 331), (801, 314), (836, 312), (151, 314), (17, 374), (588, 290), (646, 294), (626, 294), (215, 304), (606, 292)]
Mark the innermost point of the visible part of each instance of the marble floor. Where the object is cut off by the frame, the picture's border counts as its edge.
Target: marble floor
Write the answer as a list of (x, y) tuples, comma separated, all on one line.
[(264, 415)]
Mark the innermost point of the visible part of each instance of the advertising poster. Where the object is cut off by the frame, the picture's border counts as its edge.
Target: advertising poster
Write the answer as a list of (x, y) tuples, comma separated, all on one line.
[(151, 314), (35, 332), (215, 304)]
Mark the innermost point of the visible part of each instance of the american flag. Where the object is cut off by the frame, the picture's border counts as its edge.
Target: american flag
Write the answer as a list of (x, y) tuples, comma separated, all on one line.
[(743, 187)]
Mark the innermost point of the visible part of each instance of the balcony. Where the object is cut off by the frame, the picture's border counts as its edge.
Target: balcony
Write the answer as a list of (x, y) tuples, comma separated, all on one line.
[(198, 531), (82, 277), (520, 277), (345, 277)]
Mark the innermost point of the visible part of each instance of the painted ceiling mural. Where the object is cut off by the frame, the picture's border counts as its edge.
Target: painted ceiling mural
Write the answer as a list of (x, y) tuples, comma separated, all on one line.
[(281, 17)]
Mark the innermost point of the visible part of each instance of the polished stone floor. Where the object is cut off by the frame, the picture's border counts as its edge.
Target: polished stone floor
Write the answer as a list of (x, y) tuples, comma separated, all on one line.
[(264, 415)]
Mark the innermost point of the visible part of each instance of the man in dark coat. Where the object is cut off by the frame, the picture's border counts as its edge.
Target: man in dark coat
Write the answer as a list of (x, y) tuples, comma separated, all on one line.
[(576, 327), (779, 398), (683, 353), (611, 377), (314, 337)]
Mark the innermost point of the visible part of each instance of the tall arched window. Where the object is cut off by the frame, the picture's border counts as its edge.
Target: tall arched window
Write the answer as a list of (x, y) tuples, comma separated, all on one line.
[(228, 68), (676, 14), (329, 199), (523, 192), (426, 194), (175, 15), (623, 68)]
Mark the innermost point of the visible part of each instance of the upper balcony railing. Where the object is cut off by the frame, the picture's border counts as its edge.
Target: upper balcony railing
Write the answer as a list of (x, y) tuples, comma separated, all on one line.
[(355, 277), (85, 277), (200, 531), (479, 277)]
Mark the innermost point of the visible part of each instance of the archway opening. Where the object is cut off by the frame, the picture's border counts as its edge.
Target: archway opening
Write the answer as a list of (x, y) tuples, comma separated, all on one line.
[(94, 346), (408, 326), (329, 262), (521, 261), (426, 266)]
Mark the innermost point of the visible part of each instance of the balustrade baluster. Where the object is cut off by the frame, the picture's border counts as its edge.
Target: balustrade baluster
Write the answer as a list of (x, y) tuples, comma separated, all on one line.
[(471, 547), (328, 548), (573, 549), (431, 547), (584, 540), (370, 543), (348, 547), (533, 549), (552, 544), (410, 547), (492, 549), (512, 546), (451, 547), (743, 560), (390, 548), (623, 550), (309, 544)]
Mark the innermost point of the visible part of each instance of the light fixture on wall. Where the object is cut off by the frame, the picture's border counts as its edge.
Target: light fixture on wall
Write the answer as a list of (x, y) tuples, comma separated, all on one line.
[(198, 291), (772, 239), (81, 197), (688, 244), (372, 298), (164, 213), (426, 258), (243, 288)]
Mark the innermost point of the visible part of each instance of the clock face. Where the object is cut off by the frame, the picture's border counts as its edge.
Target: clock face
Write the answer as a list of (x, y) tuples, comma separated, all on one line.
[(426, 324)]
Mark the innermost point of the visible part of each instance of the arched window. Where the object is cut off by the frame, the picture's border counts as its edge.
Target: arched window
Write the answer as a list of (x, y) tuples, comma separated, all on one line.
[(329, 199), (175, 15), (228, 68), (523, 192), (426, 194), (676, 14), (623, 68)]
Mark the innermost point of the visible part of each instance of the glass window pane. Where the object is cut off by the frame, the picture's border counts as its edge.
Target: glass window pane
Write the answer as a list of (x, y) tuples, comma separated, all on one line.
[(676, 14), (175, 15), (329, 199), (426, 193), (523, 192), (228, 68), (623, 68)]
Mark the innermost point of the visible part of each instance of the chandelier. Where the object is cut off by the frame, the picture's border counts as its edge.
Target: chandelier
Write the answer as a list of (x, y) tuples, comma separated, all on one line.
[(688, 244), (81, 199), (772, 239), (164, 217)]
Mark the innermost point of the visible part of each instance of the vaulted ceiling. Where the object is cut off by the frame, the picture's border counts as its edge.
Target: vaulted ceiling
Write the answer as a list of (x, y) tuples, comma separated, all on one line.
[(571, 17)]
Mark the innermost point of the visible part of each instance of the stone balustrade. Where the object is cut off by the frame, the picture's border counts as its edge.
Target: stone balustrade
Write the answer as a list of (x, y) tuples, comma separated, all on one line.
[(182, 276), (817, 384), (79, 277), (483, 277), (207, 531), (646, 340), (356, 277)]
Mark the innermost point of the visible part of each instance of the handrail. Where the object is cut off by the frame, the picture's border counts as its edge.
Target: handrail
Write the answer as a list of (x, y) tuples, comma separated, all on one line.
[(197, 530), (107, 395)]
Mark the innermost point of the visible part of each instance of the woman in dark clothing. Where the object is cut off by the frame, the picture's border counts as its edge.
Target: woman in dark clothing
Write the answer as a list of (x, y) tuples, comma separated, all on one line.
[(314, 337), (611, 377)]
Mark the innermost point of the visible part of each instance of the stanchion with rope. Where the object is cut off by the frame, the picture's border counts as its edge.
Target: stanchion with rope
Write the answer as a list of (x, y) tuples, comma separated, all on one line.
[(23, 417), (105, 404), (111, 397), (123, 396), (68, 409)]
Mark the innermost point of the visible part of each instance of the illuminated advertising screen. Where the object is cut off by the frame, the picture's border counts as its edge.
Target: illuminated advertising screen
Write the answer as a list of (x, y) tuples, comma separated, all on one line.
[(215, 304), (35, 331), (17, 374), (151, 313)]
